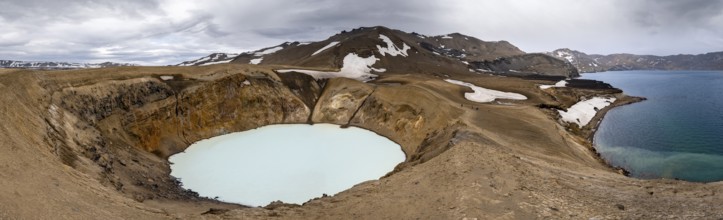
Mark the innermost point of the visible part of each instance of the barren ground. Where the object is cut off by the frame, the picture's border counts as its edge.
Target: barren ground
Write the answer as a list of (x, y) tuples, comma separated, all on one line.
[(91, 144)]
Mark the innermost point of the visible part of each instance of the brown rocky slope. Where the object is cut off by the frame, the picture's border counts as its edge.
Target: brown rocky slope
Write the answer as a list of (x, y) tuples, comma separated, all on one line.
[(425, 54)]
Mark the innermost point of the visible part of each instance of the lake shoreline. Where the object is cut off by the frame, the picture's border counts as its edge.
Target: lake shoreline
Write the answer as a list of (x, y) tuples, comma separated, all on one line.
[(672, 136), (597, 120)]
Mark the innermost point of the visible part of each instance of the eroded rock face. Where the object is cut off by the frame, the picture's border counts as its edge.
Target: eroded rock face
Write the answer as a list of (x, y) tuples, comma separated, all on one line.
[(303, 86), (411, 122), (97, 101), (407, 121), (75, 129), (162, 120), (340, 101), (231, 104), (106, 129)]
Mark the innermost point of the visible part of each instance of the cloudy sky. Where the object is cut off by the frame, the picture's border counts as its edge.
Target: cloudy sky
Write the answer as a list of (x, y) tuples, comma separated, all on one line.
[(161, 32)]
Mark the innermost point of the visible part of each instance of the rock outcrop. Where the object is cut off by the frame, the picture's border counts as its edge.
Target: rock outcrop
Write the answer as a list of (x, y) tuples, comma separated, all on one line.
[(231, 104)]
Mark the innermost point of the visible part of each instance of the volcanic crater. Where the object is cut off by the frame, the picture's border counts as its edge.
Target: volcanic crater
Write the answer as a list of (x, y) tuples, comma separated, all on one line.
[(94, 143)]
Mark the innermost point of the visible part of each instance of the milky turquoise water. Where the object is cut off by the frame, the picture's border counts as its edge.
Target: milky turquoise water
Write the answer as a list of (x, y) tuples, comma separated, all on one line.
[(676, 133), (290, 163)]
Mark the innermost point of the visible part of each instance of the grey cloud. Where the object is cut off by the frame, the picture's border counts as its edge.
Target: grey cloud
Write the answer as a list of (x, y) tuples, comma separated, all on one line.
[(692, 9), (67, 10), (200, 25), (274, 19), (160, 32), (676, 13), (283, 32)]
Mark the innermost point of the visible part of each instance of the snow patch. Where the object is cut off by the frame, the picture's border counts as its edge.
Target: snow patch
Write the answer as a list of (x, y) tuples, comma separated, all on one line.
[(325, 47), (204, 59), (256, 61), (268, 51), (246, 82), (354, 67), (446, 37), (166, 78), (567, 56), (53, 110), (217, 62), (561, 83), (485, 95), (582, 112), (392, 49)]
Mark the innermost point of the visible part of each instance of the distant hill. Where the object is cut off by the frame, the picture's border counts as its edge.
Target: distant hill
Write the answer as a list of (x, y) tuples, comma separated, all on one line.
[(395, 51), (57, 65), (528, 64), (214, 58), (587, 63)]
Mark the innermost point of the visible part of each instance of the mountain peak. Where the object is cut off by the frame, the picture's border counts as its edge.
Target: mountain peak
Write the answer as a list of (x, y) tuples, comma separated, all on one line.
[(392, 50)]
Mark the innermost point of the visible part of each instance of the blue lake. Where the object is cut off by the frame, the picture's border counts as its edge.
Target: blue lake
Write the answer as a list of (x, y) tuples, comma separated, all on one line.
[(291, 163), (676, 133)]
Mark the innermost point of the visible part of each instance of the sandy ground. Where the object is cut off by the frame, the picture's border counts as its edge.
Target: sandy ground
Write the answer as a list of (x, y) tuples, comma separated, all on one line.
[(87, 158)]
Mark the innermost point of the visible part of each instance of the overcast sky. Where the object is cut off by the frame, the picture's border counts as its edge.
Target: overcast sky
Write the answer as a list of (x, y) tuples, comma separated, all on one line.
[(161, 32)]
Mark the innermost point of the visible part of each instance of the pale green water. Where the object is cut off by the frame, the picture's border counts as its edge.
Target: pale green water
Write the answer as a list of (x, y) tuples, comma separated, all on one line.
[(291, 163)]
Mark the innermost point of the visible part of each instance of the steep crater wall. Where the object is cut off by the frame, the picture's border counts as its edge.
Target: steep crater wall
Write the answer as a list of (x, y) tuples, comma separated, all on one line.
[(118, 121)]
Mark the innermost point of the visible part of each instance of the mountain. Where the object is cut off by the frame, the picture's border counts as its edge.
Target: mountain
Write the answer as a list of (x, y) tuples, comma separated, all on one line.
[(257, 56), (469, 48), (527, 64), (57, 65), (394, 51), (614, 62), (214, 58), (583, 62)]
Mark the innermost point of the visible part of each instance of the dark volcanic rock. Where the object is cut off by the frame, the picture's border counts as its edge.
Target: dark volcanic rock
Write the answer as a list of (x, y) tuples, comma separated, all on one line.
[(589, 84), (527, 64)]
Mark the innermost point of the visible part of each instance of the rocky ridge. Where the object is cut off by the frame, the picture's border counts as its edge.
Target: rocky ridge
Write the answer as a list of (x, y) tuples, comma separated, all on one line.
[(57, 65), (588, 63), (214, 58), (423, 54)]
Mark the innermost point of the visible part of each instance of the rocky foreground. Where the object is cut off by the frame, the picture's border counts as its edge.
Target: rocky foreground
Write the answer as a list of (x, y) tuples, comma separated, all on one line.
[(92, 144)]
